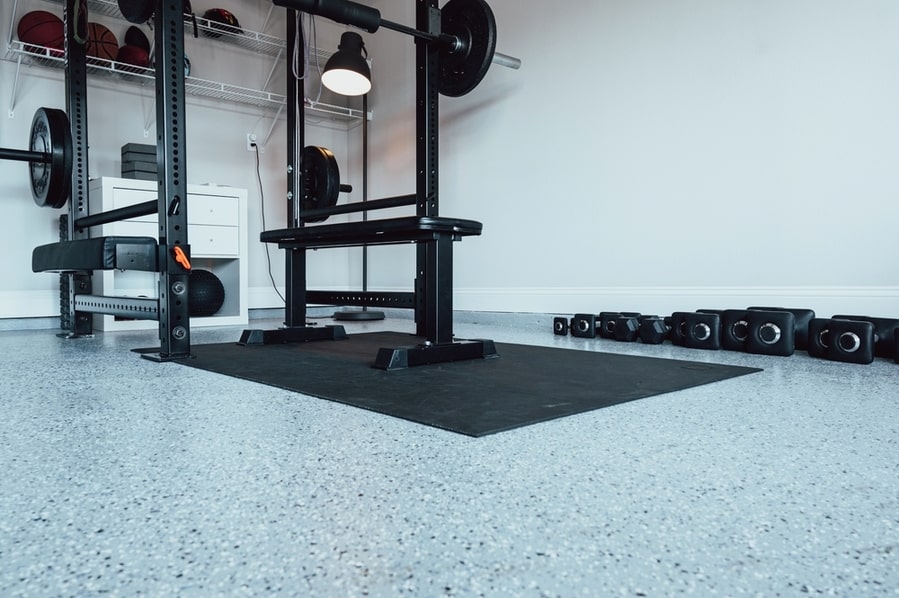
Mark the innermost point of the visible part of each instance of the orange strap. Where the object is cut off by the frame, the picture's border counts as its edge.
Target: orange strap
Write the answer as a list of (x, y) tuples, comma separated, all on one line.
[(180, 257)]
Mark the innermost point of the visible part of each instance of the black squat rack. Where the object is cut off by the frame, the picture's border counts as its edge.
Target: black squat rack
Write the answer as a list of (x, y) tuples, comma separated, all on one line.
[(433, 235), (78, 254)]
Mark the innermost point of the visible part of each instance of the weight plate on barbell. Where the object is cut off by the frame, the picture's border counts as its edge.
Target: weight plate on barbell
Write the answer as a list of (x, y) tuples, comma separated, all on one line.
[(51, 179), (461, 70), (321, 180)]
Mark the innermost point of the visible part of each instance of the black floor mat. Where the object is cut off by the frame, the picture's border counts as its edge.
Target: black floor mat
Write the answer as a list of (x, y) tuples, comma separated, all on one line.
[(525, 385)]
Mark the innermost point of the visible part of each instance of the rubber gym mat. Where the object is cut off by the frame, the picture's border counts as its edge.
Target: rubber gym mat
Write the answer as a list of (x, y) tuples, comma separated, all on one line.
[(524, 385)]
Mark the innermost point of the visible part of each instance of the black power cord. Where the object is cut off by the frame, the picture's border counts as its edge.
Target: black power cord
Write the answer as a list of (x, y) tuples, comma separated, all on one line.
[(268, 255)]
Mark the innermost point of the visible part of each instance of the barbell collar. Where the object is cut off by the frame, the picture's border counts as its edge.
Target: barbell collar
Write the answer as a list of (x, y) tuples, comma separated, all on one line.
[(24, 155)]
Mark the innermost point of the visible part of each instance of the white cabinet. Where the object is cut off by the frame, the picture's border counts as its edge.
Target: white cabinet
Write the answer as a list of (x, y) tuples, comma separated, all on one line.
[(216, 232)]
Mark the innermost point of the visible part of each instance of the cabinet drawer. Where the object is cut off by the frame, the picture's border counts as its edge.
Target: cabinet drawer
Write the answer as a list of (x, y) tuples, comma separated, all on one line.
[(217, 210), (122, 198), (204, 240), (131, 228), (208, 240)]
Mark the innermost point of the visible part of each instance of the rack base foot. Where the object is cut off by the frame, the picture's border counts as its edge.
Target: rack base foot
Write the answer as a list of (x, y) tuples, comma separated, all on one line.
[(292, 335), (406, 357)]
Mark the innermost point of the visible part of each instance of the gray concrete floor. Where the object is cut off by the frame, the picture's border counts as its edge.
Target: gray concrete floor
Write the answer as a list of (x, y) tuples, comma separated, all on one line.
[(125, 477)]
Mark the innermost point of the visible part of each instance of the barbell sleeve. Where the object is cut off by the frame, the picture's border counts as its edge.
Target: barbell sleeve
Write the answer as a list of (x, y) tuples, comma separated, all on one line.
[(506, 60), (24, 155)]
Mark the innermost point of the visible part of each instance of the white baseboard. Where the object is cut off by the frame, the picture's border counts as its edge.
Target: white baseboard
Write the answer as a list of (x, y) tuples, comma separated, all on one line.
[(29, 304), (826, 301)]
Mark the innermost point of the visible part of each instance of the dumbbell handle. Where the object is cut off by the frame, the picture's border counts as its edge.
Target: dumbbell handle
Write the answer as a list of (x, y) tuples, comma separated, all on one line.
[(24, 155)]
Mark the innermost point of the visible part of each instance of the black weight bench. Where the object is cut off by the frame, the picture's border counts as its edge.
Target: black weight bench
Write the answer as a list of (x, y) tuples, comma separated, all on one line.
[(432, 299), (100, 253)]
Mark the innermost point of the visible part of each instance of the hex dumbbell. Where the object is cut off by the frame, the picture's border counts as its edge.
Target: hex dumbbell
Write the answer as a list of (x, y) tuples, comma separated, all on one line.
[(560, 326), (801, 318), (653, 330), (849, 341), (884, 332), (701, 329), (583, 326)]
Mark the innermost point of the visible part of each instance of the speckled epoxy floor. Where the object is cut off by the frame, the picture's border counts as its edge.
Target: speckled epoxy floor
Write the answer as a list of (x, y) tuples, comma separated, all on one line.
[(125, 477)]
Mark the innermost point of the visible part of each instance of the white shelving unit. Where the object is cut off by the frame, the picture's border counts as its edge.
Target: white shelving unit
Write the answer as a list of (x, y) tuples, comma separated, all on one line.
[(250, 41), (217, 233)]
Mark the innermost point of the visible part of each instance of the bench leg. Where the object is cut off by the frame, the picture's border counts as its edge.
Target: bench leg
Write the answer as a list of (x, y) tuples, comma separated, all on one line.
[(434, 290)]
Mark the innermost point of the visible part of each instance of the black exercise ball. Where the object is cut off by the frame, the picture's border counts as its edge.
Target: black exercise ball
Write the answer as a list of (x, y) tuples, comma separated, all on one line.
[(206, 293)]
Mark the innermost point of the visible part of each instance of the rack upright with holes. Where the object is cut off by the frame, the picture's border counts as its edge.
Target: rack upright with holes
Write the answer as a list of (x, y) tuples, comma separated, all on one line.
[(171, 308)]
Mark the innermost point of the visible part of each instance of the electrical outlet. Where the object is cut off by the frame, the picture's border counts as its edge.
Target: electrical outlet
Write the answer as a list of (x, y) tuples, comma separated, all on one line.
[(251, 142)]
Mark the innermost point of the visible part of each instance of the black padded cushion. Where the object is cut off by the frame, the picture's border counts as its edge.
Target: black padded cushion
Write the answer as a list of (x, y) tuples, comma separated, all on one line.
[(372, 232), (101, 253)]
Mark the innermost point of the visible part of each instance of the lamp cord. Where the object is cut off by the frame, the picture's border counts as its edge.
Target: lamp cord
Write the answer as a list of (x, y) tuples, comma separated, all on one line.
[(268, 255), (310, 54)]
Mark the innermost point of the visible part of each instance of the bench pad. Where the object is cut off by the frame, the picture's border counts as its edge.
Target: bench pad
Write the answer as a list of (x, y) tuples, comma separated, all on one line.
[(100, 253)]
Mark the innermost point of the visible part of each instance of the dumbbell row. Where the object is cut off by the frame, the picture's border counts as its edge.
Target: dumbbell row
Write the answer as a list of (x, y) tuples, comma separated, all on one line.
[(760, 330)]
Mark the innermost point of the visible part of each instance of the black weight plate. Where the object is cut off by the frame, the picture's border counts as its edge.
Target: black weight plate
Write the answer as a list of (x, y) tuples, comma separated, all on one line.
[(471, 21), (137, 11), (50, 135), (321, 180)]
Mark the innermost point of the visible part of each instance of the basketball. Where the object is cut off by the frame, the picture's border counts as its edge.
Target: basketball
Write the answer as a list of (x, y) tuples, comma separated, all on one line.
[(101, 42), (43, 29), (133, 55)]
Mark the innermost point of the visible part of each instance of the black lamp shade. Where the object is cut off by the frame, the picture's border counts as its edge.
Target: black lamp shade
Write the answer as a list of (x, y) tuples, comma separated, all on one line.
[(347, 72)]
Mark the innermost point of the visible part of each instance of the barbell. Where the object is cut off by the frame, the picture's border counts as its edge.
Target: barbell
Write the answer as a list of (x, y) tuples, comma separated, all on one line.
[(49, 157), (467, 38)]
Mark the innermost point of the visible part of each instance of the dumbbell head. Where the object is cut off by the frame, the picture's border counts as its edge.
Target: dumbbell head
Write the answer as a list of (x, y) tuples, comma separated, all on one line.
[(819, 337), (583, 326), (801, 316), (606, 328), (627, 328), (677, 326), (884, 331), (734, 329), (653, 330), (702, 330), (560, 326), (850, 341), (771, 333)]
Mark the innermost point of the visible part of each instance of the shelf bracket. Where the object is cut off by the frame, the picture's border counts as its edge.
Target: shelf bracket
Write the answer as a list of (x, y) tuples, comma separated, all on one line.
[(272, 128), (15, 85)]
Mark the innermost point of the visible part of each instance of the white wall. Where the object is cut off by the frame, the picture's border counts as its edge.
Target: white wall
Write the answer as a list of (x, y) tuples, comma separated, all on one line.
[(650, 155), (660, 155), (122, 113)]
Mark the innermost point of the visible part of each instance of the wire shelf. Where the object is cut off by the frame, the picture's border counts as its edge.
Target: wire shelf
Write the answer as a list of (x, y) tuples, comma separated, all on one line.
[(32, 55), (243, 38)]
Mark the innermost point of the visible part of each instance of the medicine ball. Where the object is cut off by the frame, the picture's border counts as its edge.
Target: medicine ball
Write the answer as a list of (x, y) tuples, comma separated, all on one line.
[(221, 20), (43, 29), (134, 56), (135, 37), (206, 293)]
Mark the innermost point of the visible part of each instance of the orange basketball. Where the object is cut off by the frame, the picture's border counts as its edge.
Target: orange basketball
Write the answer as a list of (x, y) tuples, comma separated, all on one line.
[(101, 42), (41, 28)]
